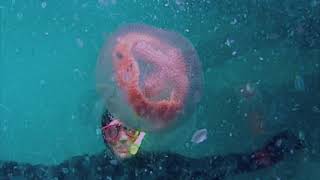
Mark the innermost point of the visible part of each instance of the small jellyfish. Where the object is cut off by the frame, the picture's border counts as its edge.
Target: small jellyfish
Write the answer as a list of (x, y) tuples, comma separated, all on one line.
[(248, 90), (44, 5), (199, 136)]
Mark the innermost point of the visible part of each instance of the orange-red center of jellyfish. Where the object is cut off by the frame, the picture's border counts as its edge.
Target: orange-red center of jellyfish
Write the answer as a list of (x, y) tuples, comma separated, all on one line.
[(168, 74)]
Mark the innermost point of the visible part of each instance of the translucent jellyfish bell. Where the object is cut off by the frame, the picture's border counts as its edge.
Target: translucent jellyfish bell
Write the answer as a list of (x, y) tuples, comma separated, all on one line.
[(149, 77)]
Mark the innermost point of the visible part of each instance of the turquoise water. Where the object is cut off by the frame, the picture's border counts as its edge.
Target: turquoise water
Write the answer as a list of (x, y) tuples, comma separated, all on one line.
[(49, 49)]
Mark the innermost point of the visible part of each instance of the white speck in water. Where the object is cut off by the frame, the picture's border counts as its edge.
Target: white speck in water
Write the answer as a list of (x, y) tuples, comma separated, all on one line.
[(229, 42), (199, 136), (234, 21), (42, 82), (234, 53), (107, 2), (179, 2), (19, 16), (279, 143), (187, 30), (79, 42), (296, 107), (98, 132), (314, 3), (316, 109), (187, 145), (44, 4), (301, 135), (155, 17), (103, 2), (76, 70), (299, 83), (65, 170)]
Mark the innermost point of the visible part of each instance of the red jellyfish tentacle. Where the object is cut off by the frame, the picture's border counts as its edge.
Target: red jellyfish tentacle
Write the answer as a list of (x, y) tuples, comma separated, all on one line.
[(127, 72), (167, 109), (155, 83), (179, 79)]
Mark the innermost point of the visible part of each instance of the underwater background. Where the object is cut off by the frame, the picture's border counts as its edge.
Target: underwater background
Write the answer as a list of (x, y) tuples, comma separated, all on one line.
[(49, 108)]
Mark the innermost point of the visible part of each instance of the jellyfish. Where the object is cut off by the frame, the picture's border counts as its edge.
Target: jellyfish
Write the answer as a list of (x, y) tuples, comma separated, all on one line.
[(199, 136), (149, 77)]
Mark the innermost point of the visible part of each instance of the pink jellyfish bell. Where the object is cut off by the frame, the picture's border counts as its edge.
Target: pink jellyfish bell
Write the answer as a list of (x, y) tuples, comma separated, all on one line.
[(149, 77)]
